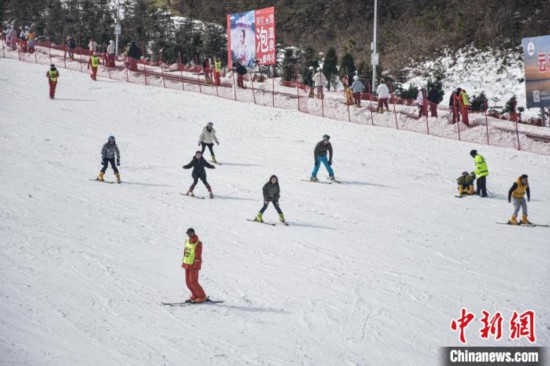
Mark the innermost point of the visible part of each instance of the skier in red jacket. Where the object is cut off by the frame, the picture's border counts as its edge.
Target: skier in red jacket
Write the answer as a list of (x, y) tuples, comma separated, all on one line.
[(192, 259), (52, 74)]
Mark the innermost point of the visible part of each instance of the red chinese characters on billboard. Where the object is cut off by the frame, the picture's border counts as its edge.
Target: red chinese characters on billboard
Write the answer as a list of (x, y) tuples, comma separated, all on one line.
[(265, 36), (543, 67)]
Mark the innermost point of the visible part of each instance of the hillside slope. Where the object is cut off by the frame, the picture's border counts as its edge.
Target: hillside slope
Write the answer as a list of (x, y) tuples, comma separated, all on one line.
[(370, 272)]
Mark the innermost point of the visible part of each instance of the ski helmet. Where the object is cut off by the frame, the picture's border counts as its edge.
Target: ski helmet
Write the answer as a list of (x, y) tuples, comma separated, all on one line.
[(473, 153), (326, 137), (464, 173), (524, 176), (210, 124), (111, 138)]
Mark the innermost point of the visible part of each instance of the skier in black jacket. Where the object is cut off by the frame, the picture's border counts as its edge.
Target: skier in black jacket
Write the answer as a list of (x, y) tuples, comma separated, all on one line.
[(271, 192), (198, 164)]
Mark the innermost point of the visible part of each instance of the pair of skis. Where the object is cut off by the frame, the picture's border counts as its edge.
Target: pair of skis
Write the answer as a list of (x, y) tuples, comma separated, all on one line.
[(322, 182), (524, 225), (197, 197), (267, 223), (189, 303)]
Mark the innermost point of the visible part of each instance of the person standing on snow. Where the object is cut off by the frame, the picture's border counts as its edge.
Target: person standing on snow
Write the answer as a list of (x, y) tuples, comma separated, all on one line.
[(357, 88), (319, 80), (217, 71), (421, 103), (192, 261), (481, 173), (433, 101), (464, 106), (207, 138), (92, 45), (94, 62), (517, 193), (108, 154), (454, 104), (198, 164), (320, 156), (309, 82), (111, 54), (383, 95), (52, 74), (271, 192)]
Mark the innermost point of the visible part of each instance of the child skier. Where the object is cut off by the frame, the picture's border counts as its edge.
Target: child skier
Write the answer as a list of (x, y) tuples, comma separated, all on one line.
[(271, 193), (517, 192), (207, 138), (320, 156), (198, 164), (466, 183), (108, 154), (52, 74), (192, 260)]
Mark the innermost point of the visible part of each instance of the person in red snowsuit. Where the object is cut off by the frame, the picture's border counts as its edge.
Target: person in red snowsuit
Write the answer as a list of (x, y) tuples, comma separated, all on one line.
[(192, 259), (52, 74)]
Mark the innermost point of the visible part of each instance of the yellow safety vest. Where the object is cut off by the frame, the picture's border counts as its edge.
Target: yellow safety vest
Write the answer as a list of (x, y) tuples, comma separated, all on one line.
[(519, 192), (95, 61), (465, 99), (189, 252), (53, 75), (218, 66), (481, 166)]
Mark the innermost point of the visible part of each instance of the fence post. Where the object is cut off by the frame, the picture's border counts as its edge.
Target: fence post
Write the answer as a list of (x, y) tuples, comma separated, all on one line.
[(323, 103), (273, 88), (180, 67), (35, 60), (234, 87), (161, 70), (517, 135), (199, 78), (50, 54), (65, 57), (3, 51), (253, 92), (455, 110), (80, 60), (127, 74), (486, 120), (425, 109), (347, 104), (298, 97), (392, 96), (144, 73)]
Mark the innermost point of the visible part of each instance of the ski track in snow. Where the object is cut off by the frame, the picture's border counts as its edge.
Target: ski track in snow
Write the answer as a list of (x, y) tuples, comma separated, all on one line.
[(370, 272)]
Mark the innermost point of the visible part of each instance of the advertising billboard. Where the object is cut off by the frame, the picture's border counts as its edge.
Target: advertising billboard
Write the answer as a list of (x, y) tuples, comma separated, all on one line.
[(536, 53)]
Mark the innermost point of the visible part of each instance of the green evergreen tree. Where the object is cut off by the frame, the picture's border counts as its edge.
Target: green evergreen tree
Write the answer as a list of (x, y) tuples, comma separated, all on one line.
[(347, 66), (330, 68), (289, 65)]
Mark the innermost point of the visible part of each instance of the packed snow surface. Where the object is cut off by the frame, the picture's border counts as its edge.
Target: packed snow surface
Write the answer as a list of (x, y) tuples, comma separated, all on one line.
[(370, 271)]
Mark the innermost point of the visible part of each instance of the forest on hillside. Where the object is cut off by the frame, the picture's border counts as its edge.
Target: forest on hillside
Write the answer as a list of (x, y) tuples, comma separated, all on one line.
[(408, 29)]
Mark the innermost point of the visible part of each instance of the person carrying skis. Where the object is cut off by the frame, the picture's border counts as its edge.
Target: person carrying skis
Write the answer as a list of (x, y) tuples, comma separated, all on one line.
[(207, 138), (198, 164), (481, 173), (94, 62), (466, 183), (108, 154), (320, 156), (52, 74), (517, 193), (271, 192), (192, 260)]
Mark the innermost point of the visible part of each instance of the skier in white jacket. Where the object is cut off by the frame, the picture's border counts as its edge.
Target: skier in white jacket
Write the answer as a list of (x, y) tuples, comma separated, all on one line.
[(320, 80), (207, 138), (383, 96)]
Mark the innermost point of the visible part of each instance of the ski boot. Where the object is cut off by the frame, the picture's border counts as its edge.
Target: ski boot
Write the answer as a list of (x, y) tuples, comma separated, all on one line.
[(282, 218), (199, 300), (332, 177), (214, 159), (524, 220), (471, 190), (210, 194), (314, 179), (190, 192), (100, 176), (117, 178), (513, 220), (259, 217)]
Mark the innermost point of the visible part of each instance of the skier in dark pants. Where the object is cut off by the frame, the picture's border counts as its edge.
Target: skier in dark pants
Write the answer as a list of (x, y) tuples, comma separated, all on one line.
[(271, 193), (207, 139), (198, 164), (481, 173), (108, 154), (320, 156)]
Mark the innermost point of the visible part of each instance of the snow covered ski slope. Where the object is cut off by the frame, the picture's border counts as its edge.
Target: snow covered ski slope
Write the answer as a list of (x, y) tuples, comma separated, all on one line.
[(369, 272)]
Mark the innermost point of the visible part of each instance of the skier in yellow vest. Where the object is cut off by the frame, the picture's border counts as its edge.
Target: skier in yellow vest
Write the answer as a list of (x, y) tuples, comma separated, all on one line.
[(517, 193), (94, 62), (192, 260), (217, 71), (52, 74), (481, 173)]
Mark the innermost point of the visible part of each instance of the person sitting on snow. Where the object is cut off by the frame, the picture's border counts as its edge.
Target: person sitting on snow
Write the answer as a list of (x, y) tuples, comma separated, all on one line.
[(466, 183)]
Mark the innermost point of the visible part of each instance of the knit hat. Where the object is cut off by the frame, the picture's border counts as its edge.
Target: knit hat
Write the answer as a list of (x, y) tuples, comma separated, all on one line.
[(190, 231)]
